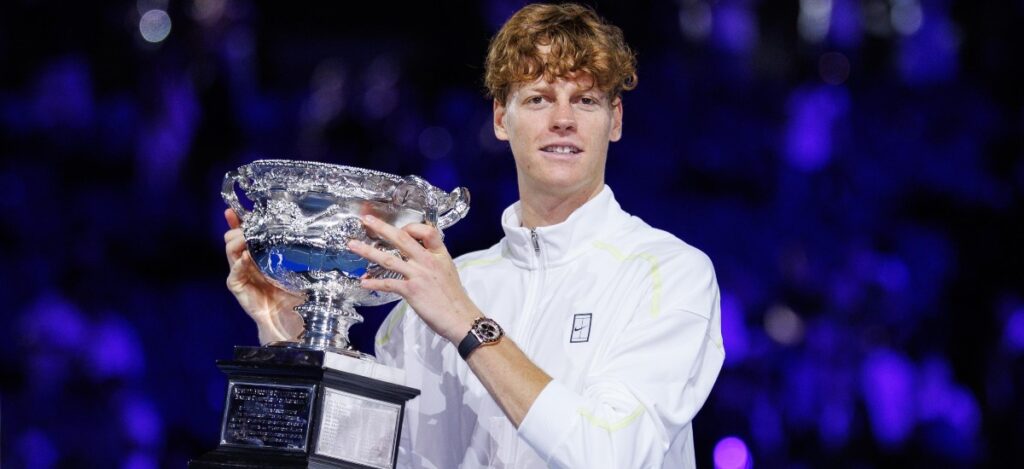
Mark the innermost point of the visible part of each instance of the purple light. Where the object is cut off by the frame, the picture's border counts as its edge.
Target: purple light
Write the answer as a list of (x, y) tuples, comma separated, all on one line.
[(846, 29), (488, 141), (812, 111), (1014, 330), (942, 400), (731, 453), (766, 424), (64, 94), (892, 274), (380, 101), (435, 142), (801, 393), (442, 172), (141, 421), (163, 146), (54, 322), (240, 44), (734, 330), (36, 447), (117, 351), (888, 388), (499, 11), (735, 28), (140, 460), (834, 422), (930, 55)]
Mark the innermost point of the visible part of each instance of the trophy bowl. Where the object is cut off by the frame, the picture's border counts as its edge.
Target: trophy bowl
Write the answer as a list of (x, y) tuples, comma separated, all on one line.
[(303, 215)]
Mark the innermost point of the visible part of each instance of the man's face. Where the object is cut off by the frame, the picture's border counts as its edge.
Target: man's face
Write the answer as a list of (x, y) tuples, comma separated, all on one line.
[(559, 134)]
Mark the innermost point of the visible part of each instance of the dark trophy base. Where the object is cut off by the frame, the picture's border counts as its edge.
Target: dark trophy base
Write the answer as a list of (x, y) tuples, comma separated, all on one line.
[(292, 408)]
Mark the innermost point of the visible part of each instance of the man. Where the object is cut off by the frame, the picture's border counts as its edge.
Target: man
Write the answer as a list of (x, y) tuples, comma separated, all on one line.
[(611, 338)]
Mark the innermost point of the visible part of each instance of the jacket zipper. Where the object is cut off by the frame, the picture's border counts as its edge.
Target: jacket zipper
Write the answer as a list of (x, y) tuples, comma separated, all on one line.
[(511, 455), (529, 302)]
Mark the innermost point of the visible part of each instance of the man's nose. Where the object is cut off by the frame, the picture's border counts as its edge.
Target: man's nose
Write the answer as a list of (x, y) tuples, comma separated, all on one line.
[(563, 119)]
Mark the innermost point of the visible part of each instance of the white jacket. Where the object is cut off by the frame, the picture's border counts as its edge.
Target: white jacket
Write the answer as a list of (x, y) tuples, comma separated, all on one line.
[(623, 316)]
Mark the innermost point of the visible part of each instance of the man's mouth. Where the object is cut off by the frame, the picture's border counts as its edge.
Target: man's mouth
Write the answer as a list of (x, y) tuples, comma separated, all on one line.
[(561, 149)]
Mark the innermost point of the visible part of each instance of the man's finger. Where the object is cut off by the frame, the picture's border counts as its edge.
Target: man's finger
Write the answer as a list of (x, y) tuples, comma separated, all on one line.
[(234, 249), (428, 235), (232, 218), (384, 284), (232, 234), (381, 258), (392, 235)]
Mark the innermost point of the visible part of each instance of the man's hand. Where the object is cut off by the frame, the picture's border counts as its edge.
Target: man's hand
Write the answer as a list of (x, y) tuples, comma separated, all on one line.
[(433, 289), (431, 285), (269, 306)]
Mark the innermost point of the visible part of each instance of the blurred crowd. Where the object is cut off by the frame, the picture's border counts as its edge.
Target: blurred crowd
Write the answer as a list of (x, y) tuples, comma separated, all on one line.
[(853, 168)]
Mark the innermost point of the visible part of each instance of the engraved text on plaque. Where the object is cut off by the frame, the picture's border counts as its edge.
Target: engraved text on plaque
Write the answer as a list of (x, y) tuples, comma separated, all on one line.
[(267, 415)]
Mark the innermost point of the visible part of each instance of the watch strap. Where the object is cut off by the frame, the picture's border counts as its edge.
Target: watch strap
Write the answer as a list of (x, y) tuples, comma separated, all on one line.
[(468, 345), (484, 331)]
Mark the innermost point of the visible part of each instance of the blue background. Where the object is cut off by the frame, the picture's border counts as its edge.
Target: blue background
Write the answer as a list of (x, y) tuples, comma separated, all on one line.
[(853, 168)]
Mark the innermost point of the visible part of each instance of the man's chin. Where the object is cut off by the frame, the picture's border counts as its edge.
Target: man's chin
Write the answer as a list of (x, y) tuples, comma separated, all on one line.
[(562, 184)]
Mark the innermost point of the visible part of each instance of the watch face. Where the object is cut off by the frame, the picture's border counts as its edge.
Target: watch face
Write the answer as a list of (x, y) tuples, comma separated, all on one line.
[(487, 330)]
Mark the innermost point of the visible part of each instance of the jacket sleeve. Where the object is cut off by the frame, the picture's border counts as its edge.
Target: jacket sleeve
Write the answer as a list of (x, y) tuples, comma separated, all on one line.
[(430, 437), (649, 384)]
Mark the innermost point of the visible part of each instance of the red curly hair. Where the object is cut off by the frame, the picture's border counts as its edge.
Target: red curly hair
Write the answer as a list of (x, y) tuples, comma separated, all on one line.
[(578, 42)]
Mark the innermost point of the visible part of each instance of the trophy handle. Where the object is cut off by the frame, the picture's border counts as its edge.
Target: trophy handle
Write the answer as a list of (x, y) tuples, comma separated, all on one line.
[(459, 203), (227, 193), (417, 189)]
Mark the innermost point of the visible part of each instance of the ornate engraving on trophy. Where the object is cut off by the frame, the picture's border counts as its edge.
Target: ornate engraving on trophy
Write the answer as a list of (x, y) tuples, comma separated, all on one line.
[(358, 429), (303, 215), (267, 415)]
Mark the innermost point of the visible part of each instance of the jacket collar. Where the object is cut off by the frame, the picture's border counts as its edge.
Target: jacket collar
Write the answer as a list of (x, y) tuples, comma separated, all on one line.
[(562, 242)]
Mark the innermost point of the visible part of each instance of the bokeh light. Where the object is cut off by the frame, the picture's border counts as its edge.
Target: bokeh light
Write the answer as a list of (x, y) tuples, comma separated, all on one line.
[(695, 19), (814, 20), (734, 330), (208, 11), (877, 18), (155, 25), (435, 142), (851, 167), (36, 446), (888, 387), (906, 16), (732, 453), (734, 27), (1014, 330), (783, 325), (834, 68)]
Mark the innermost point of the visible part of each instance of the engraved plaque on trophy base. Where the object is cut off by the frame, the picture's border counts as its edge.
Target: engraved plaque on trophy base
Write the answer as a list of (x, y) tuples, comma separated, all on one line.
[(288, 407)]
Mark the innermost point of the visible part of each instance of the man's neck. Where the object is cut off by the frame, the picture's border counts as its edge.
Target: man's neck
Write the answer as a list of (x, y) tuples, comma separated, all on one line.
[(545, 209)]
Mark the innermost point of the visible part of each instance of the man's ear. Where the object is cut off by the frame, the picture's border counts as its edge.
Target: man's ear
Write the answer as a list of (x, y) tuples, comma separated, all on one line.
[(499, 121), (616, 130)]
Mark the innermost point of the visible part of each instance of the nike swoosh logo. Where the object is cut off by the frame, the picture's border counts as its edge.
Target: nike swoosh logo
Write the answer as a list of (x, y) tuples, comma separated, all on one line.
[(578, 328)]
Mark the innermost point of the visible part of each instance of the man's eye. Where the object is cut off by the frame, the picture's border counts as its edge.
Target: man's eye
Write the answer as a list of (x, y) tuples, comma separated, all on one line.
[(535, 100), (588, 100)]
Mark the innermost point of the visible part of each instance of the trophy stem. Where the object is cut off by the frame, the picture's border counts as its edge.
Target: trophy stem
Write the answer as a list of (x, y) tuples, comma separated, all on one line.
[(328, 318)]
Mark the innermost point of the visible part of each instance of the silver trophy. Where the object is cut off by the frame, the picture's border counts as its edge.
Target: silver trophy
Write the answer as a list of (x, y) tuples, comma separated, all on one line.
[(304, 213)]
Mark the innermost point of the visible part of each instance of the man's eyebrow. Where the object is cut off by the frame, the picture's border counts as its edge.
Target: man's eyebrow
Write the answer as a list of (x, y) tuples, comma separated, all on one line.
[(537, 87)]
